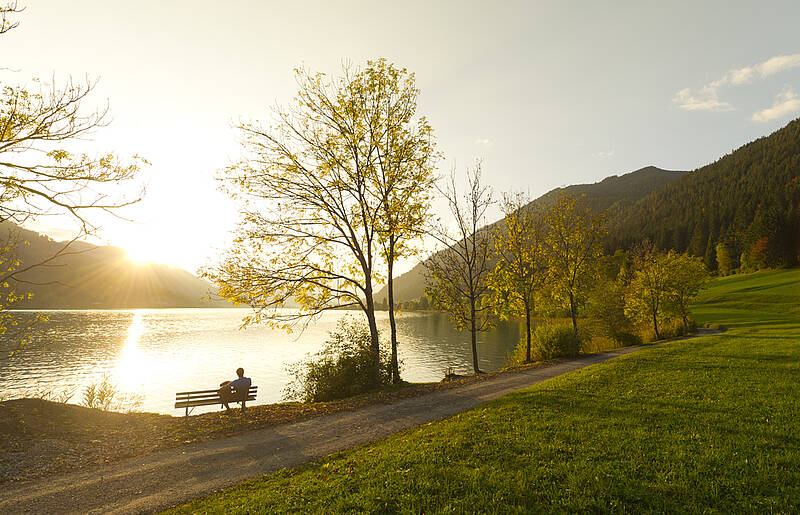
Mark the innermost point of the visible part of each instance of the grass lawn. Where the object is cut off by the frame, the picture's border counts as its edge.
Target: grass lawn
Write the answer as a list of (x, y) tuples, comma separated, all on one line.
[(704, 425)]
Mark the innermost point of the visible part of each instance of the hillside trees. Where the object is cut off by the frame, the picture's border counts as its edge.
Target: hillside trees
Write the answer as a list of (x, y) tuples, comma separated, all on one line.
[(520, 270), (746, 195), (457, 275), (40, 172), (573, 247), (319, 194), (727, 258)]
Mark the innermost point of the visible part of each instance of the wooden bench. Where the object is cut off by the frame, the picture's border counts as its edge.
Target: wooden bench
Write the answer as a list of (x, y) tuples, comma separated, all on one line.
[(209, 398)]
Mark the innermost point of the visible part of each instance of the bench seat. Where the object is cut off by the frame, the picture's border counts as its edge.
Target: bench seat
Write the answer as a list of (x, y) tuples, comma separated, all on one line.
[(209, 398)]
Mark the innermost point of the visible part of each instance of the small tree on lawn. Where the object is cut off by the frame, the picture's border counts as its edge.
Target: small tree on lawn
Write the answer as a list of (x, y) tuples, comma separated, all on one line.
[(686, 275), (650, 284)]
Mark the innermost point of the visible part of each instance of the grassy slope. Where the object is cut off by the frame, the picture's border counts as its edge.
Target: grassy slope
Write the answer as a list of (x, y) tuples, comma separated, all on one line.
[(709, 424)]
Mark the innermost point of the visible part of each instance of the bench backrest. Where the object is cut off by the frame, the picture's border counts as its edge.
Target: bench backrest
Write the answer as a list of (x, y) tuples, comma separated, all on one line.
[(209, 397)]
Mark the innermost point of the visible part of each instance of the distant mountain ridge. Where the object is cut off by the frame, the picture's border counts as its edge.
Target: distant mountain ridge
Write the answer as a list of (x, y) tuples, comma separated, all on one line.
[(101, 278), (614, 193)]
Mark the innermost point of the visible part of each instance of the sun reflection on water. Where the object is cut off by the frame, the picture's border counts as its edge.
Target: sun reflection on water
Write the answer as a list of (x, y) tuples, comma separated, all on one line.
[(132, 363)]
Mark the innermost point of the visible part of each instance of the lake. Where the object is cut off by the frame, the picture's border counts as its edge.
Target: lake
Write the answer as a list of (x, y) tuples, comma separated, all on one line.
[(152, 353)]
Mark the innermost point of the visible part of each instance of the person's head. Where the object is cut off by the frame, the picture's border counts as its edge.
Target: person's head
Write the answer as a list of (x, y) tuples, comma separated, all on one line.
[(240, 372)]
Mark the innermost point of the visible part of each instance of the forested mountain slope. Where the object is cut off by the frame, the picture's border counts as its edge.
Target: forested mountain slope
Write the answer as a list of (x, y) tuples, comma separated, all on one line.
[(746, 201), (100, 277)]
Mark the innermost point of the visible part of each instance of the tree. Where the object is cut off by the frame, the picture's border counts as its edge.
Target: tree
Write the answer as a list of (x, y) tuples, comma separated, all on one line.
[(6, 10), (457, 275), (520, 270), (725, 259), (315, 190), (606, 304), (758, 256), (403, 172), (41, 176), (686, 275), (650, 284), (573, 247)]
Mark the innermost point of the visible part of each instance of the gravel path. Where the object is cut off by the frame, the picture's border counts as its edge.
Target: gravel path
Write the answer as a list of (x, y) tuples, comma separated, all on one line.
[(156, 481)]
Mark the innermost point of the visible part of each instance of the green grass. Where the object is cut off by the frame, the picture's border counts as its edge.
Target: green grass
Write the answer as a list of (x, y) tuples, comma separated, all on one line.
[(701, 425)]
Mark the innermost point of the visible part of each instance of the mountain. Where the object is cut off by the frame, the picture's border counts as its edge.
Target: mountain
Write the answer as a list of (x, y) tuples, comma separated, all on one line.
[(616, 193), (745, 204), (747, 201), (94, 277)]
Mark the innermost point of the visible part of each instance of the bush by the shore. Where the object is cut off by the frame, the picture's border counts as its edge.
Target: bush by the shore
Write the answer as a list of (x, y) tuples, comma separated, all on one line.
[(341, 369)]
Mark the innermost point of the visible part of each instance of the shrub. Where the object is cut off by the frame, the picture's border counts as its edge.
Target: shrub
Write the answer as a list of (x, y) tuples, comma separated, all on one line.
[(672, 329), (100, 395), (106, 396), (598, 343), (550, 341), (628, 339), (517, 356), (341, 368)]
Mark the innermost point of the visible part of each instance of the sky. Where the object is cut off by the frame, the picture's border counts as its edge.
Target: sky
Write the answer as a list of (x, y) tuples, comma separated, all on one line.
[(546, 93)]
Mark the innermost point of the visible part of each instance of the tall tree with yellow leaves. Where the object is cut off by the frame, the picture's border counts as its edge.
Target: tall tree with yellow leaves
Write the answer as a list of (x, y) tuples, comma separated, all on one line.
[(520, 271), (319, 197), (573, 248)]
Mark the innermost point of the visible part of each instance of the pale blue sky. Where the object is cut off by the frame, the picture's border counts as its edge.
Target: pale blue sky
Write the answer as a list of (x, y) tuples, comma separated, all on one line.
[(548, 93)]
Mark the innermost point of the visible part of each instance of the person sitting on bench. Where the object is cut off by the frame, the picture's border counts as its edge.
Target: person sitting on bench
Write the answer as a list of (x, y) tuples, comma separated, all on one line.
[(236, 390)]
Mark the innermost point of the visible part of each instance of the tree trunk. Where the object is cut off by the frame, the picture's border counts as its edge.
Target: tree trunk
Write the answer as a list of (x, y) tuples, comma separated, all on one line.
[(572, 313), (392, 323), (373, 331), (528, 332), (474, 337), (655, 324), (685, 324)]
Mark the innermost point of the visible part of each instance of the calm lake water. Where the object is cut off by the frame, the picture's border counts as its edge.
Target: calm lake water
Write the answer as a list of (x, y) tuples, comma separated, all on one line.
[(151, 354)]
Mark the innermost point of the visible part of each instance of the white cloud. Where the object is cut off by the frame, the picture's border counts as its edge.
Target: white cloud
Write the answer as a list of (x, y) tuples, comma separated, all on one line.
[(779, 63), (785, 103), (742, 75), (771, 66), (601, 155), (485, 142), (707, 97)]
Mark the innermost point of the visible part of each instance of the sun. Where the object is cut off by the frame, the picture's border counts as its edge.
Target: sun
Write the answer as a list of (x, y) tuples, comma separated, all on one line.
[(138, 255)]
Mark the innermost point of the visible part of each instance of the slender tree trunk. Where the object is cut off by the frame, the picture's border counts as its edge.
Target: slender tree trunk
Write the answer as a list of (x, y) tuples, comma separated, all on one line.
[(474, 337), (528, 332), (685, 324), (572, 313), (655, 322), (373, 331), (392, 323)]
